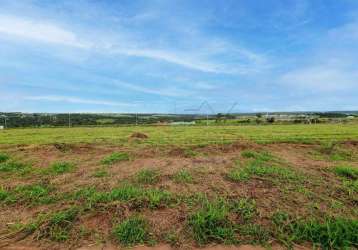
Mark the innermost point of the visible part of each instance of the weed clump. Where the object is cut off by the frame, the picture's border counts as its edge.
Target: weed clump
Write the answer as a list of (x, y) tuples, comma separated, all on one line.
[(211, 223), (4, 157), (59, 225), (261, 169), (152, 198), (347, 171), (147, 176), (115, 157), (126, 192), (260, 156), (183, 176), (245, 208), (100, 173), (331, 233), (27, 194), (157, 198), (14, 167), (132, 231), (61, 168)]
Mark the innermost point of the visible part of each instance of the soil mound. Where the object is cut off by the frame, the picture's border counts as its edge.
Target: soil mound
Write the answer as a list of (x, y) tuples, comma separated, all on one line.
[(138, 135)]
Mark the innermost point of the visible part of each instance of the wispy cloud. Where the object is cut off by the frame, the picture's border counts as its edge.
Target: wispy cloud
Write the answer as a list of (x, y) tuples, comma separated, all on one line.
[(41, 31), (70, 99), (52, 33), (320, 78), (165, 91)]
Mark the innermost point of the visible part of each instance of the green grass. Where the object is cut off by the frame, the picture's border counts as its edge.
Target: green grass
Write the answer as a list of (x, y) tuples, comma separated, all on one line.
[(132, 231), (260, 156), (188, 152), (330, 233), (245, 208), (254, 234), (15, 167), (262, 169), (147, 176), (333, 152), (211, 223), (126, 192), (179, 135), (4, 157), (90, 196), (99, 173), (60, 224), (347, 171), (35, 194), (114, 158), (60, 168), (183, 176), (151, 198), (157, 198), (349, 176)]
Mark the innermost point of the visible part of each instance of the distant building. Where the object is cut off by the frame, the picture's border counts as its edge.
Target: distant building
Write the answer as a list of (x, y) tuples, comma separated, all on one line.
[(1, 127), (183, 123)]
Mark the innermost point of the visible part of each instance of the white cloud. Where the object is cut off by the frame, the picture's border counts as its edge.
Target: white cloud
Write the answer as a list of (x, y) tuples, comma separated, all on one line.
[(321, 78), (69, 99), (166, 91), (40, 31), (48, 32)]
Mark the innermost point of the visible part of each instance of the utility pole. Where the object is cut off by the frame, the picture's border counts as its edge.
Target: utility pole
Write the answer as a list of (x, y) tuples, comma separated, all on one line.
[(136, 119)]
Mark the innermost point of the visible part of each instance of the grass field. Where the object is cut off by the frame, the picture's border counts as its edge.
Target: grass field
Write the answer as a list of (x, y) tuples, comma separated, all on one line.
[(268, 187), (183, 135)]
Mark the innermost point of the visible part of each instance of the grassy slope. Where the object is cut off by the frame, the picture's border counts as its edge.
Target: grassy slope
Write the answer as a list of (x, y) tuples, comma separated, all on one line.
[(183, 135)]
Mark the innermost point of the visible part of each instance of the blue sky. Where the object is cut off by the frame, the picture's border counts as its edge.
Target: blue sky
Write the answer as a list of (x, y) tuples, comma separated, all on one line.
[(171, 55)]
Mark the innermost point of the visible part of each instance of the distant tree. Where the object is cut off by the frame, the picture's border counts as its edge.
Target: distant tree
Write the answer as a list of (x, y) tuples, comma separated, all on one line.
[(270, 119)]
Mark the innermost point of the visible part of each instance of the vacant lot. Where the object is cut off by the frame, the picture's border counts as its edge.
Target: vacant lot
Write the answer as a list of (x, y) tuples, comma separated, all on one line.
[(278, 187)]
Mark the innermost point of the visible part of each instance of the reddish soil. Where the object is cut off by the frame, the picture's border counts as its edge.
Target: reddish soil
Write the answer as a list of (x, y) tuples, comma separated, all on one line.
[(209, 168)]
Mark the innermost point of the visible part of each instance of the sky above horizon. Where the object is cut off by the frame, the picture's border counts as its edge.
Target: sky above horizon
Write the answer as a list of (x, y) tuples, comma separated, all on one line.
[(172, 55)]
